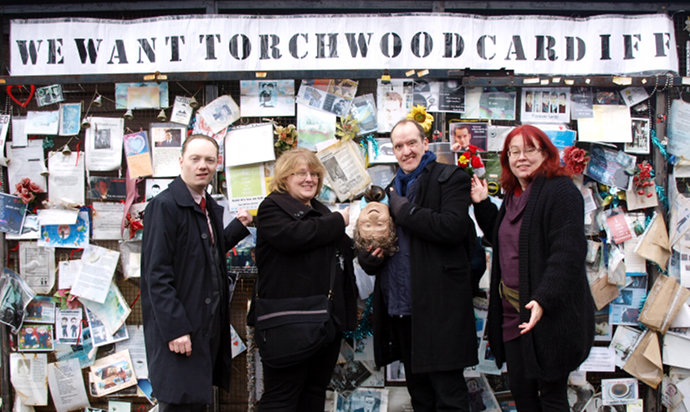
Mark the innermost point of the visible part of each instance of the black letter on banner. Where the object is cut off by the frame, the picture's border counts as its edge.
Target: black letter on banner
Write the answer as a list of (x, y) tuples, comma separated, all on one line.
[(210, 45), (629, 45), (545, 44), (293, 45), (146, 47), (361, 41), (121, 55), (321, 45), (519, 51), (385, 46), (174, 47), (481, 47), (91, 49), (275, 53), (31, 51), (459, 44), (570, 47), (416, 43), (605, 46), (54, 50), (661, 45), (235, 46)]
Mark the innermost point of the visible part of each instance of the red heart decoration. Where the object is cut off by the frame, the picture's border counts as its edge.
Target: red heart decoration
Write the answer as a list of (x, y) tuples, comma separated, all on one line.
[(25, 103)]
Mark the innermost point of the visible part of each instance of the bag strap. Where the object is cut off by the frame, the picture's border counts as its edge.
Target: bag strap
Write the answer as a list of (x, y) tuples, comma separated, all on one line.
[(510, 294), (332, 281)]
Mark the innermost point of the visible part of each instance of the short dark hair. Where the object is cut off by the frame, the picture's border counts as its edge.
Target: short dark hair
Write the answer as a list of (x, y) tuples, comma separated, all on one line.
[(200, 136)]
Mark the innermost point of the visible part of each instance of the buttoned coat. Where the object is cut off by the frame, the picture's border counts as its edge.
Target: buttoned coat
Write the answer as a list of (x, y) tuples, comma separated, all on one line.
[(441, 232), (552, 250), (176, 292)]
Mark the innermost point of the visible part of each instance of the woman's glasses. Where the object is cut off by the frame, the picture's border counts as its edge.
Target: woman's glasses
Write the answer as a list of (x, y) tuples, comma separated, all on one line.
[(529, 151), (302, 174)]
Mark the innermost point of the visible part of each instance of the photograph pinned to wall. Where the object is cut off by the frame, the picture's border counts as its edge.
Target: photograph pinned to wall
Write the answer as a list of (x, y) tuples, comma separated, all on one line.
[(99, 333), (603, 329), (607, 97), (15, 295), (633, 95), (155, 186), (395, 373), (331, 95), (12, 213), (138, 154), (640, 136), (619, 391), (608, 166), (451, 97), (68, 325), (363, 110), (362, 400), (49, 95), (581, 101), (41, 309), (489, 103), (267, 98), (464, 135), (35, 337), (70, 118), (314, 126), (143, 95), (104, 143), (380, 151), (107, 188), (423, 93), (220, 113), (111, 374), (42, 123), (391, 104), (249, 144), (113, 311), (182, 110), (560, 136), (545, 105), (166, 146), (481, 395), (74, 236)]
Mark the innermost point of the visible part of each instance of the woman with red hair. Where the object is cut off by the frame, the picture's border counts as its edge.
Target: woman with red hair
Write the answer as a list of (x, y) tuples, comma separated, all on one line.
[(541, 311)]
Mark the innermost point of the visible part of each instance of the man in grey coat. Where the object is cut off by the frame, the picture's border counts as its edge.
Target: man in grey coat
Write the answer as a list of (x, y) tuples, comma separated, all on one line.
[(423, 310), (184, 284)]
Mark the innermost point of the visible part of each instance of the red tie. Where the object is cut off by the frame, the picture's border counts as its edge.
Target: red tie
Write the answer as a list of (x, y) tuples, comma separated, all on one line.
[(202, 204)]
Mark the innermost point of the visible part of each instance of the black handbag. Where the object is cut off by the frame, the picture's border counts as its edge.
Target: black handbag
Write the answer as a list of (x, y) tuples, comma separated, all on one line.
[(290, 330)]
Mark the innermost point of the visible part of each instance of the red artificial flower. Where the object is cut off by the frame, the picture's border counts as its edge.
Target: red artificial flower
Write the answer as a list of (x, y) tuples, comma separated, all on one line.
[(476, 162)]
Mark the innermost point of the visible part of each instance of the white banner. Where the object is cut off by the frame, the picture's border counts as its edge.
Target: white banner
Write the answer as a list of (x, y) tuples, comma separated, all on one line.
[(609, 44)]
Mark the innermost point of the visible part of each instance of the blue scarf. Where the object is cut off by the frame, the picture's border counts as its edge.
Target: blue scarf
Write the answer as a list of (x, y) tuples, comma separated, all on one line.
[(403, 181)]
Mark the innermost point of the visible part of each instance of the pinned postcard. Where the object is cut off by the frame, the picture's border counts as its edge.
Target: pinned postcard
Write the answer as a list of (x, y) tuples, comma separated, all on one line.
[(581, 103), (41, 309), (363, 110), (390, 103), (146, 95), (331, 95), (137, 349), (314, 126), (100, 335), (138, 154), (220, 113), (107, 220), (345, 171), (246, 186), (545, 105), (610, 167), (489, 103), (68, 325), (155, 186), (12, 213), (640, 137), (166, 141), (112, 312), (619, 391), (49, 95), (633, 95), (267, 98), (182, 110), (451, 96), (70, 119), (111, 374), (35, 337), (42, 123)]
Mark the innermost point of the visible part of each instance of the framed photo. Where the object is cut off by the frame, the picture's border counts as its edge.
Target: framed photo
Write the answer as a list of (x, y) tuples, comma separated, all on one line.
[(107, 188), (37, 337), (466, 134), (640, 137)]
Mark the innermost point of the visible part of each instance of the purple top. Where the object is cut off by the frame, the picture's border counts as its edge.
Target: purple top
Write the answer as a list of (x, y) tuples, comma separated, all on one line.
[(508, 256)]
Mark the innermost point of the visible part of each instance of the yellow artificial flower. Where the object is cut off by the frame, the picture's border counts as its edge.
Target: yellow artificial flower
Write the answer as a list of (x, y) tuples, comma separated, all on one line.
[(347, 128), (419, 115)]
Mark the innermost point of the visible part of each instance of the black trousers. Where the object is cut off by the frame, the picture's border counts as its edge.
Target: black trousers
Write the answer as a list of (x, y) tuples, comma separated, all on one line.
[(533, 395), (300, 388), (178, 407), (432, 391)]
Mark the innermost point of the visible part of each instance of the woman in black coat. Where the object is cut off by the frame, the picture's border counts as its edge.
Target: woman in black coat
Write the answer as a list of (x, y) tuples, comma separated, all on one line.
[(298, 239), (541, 311)]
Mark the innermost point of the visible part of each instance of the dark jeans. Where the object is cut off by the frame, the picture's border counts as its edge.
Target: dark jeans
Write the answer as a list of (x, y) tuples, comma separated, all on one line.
[(300, 388), (533, 395), (432, 391)]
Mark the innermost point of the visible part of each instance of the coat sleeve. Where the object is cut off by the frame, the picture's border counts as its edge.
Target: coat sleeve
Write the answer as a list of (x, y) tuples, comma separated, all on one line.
[(158, 251), (292, 234), (486, 213), (450, 223), (563, 224), (234, 232)]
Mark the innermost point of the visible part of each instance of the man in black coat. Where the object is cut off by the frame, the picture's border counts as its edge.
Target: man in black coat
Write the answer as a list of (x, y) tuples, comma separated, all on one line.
[(423, 310), (184, 284)]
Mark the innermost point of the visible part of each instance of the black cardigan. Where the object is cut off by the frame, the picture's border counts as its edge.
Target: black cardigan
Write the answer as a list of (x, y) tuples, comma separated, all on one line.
[(552, 254)]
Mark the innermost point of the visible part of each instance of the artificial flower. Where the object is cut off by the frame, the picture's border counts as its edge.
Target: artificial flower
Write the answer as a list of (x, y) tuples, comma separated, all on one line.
[(643, 179), (419, 115), (287, 137), (470, 161), (575, 159), (347, 128), (26, 190)]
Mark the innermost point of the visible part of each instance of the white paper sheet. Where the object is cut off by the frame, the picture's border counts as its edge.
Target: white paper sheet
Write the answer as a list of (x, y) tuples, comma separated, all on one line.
[(611, 123), (249, 144), (67, 385), (67, 272), (66, 179), (57, 216), (96, 272), (104, 143), (107, 219), (37, 266), (26, 162), (28, 374), (137, 350)]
